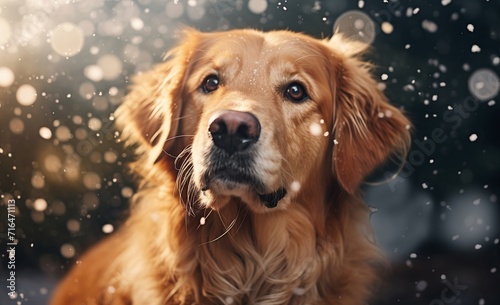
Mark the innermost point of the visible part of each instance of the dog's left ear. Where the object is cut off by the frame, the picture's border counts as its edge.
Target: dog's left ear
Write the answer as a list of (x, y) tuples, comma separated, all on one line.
[(367, 129), (149, 116)]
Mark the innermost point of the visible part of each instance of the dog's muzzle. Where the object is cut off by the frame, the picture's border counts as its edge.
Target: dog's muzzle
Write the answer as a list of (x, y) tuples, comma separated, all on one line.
[(233, 134)]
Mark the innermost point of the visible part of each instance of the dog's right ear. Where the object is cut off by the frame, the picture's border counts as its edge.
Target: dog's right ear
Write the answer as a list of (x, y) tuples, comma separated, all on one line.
[(149, 116), (367, 129)]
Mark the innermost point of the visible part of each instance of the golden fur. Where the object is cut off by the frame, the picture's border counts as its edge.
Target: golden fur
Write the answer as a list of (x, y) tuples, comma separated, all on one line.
[(182, 245)]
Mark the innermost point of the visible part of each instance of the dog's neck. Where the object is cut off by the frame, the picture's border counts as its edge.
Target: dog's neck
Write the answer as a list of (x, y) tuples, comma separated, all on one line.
[(265, 258), (240, 257), (257, 258), (281, 257)]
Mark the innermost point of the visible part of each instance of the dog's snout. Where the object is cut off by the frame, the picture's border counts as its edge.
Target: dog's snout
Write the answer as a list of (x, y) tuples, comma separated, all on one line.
[(234, 131)]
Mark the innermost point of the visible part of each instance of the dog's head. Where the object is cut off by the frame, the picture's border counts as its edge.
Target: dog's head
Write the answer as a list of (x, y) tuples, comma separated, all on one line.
[(259, 116)]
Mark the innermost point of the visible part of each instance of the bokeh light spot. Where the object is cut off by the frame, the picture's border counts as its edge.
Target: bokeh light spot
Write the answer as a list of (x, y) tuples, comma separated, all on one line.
[(63, 133), (94, 73), (484, 84), (355, 25), (6, 77), (92, 181), (387, 27), (86, 90), (45, 133), (127, 192), (38, 180), (67, 251), (110, 65), (110, 157), (26, 95), (16, 126), (95, 124), (174, 9), (137, 24), (73, 225), (67, 39), (40, 205), (257, 6), (196, 12)]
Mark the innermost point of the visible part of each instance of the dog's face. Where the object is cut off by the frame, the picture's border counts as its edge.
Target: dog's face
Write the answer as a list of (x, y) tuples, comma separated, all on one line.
[(258, 115), (255, 103)]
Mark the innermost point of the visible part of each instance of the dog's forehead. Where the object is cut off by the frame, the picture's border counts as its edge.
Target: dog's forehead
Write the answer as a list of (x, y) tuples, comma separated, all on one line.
[(250, 47)]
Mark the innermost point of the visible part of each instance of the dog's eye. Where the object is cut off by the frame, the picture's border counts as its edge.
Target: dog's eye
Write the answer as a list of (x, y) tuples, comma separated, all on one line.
[(296, 93), (210, 83)]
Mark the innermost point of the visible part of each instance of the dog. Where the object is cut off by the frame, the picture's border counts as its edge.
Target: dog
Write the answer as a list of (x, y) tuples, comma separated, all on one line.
[(250, 151)]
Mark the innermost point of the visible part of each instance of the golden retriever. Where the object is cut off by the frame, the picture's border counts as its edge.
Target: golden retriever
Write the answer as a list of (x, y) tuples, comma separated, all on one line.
[(251, 148)]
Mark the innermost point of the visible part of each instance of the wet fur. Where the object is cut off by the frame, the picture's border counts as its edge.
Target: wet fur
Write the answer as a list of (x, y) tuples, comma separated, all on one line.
[(315, 248)]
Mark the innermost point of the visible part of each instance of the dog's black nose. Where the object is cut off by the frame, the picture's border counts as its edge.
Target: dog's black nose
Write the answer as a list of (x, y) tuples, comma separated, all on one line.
[(234, 131)]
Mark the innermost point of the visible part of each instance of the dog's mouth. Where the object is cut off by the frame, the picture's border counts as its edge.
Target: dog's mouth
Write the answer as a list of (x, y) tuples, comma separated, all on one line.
[(271, 200), (232, 182)]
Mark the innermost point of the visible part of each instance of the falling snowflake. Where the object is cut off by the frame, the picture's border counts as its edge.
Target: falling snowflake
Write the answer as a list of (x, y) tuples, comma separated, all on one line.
[(315, 129), (108, 228), (475, 49), (429, 26)]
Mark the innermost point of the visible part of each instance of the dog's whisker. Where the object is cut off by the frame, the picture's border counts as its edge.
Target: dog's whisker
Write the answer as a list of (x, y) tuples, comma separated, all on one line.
[(168, 154), (286, 174), (191, 193), (184, 117), (183, 153), (184, 181), (228, 228), (173, 138), (179, 136), (209, 213), (184, 176), (242, 220), (185, 150)]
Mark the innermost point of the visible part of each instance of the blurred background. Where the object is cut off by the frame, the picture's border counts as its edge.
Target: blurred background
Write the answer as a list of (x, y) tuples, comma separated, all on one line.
[(66, 64)]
